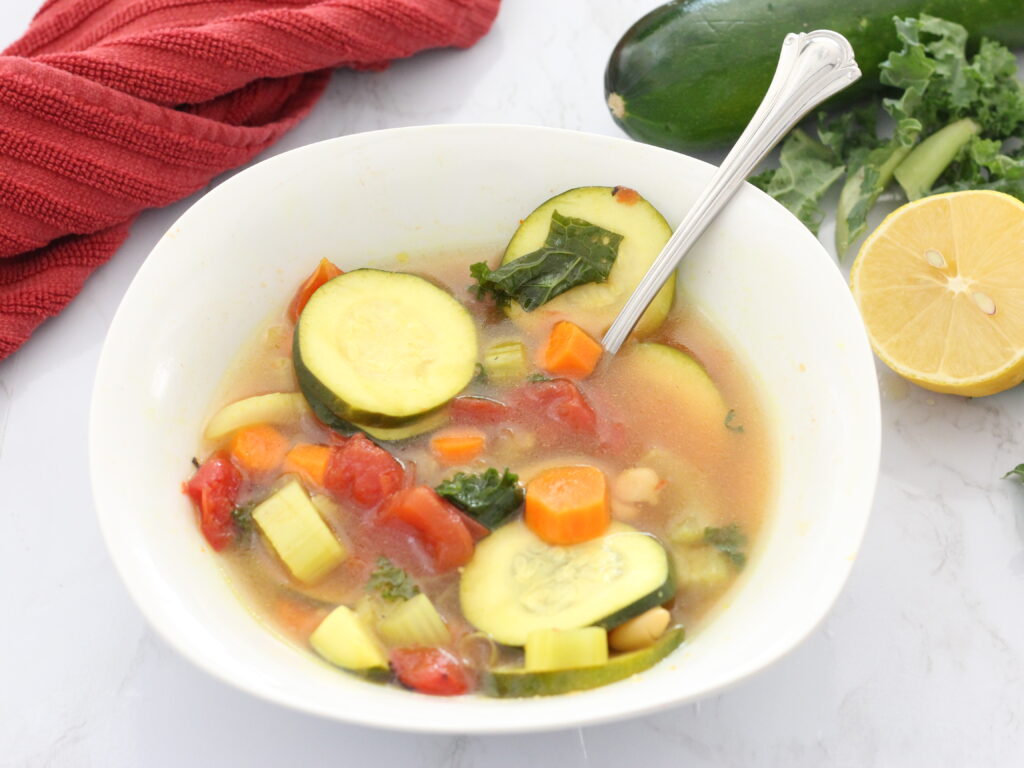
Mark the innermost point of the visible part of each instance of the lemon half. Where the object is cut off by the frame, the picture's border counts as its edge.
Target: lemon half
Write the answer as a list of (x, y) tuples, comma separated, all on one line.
[(940, 285)]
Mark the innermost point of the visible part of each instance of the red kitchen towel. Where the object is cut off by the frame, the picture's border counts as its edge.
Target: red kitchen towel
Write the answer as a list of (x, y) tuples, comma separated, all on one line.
[(108, 107)]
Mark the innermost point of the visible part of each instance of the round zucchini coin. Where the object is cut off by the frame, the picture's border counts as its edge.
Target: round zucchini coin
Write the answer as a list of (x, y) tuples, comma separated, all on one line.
[(382, 349), (593, 306), (516, 583)]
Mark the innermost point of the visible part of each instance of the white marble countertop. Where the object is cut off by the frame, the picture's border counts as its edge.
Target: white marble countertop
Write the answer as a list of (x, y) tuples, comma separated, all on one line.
[(920, 663)]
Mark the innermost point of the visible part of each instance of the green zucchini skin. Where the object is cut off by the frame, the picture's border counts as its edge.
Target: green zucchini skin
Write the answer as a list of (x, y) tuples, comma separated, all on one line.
[(516, 583), (518, 683), (330, 378), (691, 73)]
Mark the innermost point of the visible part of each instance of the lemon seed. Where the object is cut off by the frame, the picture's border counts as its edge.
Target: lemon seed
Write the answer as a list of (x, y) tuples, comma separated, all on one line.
[(934, 258), (984, 302)]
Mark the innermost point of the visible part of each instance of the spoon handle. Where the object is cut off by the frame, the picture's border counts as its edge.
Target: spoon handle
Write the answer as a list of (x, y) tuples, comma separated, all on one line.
[(812, 67)]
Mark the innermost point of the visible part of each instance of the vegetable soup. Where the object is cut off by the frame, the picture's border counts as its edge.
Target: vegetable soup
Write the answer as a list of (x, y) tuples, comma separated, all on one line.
[(429, 474)]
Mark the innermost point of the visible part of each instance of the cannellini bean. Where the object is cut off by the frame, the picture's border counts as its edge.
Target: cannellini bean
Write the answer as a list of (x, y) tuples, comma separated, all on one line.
[(637, 485), (640, 631), (624, 511)]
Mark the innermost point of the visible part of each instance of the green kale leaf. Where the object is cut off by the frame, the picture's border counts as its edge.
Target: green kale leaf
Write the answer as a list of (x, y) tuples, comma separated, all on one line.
[(575, 252), (1017, 472), (807, 169), (489, 498), (730, 540), (937, 85), (241, 516), (391, 582)]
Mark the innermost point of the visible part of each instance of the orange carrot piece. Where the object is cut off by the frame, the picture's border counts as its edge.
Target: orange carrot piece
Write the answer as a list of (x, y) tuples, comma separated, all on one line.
[(324, 271), (309, 461), (259, 449), (570, 351), (297, 619), (457, 447), (625, 195), (567, 505)]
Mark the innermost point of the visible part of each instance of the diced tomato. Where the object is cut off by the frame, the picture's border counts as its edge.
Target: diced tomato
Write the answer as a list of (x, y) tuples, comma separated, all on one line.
[(477, 410), (324, 271), (438, 524), (476, 530), (557, 406), (431, 670), (361, 472), (214, 489)]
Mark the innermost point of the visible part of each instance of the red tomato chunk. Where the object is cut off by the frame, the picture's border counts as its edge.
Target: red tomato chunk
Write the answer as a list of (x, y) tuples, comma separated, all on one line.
[(559, 405), (477, 410), (324, 271), (214, 489), (431, 670), (363, 473), (438, 524)]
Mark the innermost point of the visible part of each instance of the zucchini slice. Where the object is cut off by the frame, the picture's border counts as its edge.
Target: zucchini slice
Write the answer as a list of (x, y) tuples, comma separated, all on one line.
[(433, 420), (594, 306), (507, 682), (346, 642), (275, 408), (679, 376), (516, 583), (383, 348)]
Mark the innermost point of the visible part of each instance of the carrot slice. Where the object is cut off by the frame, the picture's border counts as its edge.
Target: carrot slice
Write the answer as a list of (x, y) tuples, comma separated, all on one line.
[(309, 461), (298, 619), (457, 447), (570, 351), (259, 449), (324, 271), (567, 505)]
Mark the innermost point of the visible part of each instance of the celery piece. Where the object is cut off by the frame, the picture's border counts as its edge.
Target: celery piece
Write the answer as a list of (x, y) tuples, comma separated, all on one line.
[(505, 362), (294, 528), (414, 623), (550, 649)]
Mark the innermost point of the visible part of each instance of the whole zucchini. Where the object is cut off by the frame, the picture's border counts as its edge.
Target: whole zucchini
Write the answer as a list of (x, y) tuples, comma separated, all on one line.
[(690, 73)]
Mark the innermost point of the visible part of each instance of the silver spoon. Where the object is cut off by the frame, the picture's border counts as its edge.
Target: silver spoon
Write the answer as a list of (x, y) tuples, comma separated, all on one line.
[(812, 67)]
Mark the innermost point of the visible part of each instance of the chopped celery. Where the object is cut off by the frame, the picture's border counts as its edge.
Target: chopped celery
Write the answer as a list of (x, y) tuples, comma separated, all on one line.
[(414, 623), (551, 649), (294, 528), (702, 569), (686, 530), (505, 362)]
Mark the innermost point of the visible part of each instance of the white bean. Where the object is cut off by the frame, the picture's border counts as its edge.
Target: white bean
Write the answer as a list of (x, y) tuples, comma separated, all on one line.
[(637, 485), (640, 631)]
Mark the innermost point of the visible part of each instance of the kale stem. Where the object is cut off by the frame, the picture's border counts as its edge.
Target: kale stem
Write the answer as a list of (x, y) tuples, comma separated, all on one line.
[(922, 167), (856, 195)]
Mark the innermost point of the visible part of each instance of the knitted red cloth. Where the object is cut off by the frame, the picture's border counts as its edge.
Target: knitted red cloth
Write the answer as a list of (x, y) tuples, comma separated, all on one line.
[(108, 107)]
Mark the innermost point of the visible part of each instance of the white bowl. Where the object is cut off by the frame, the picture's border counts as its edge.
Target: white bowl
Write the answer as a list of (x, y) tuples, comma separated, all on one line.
[(765, 281)]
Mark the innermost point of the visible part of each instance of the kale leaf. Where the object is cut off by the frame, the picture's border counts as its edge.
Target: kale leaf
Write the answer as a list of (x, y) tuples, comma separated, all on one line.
[(575, 252), (730, 540), (489, 498), (391, 582), (937, 85), (1017, 472), (807, 169), (242, 518)]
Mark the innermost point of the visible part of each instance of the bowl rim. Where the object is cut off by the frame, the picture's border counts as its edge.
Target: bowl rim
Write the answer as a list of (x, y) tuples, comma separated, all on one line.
[(570, 717)]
